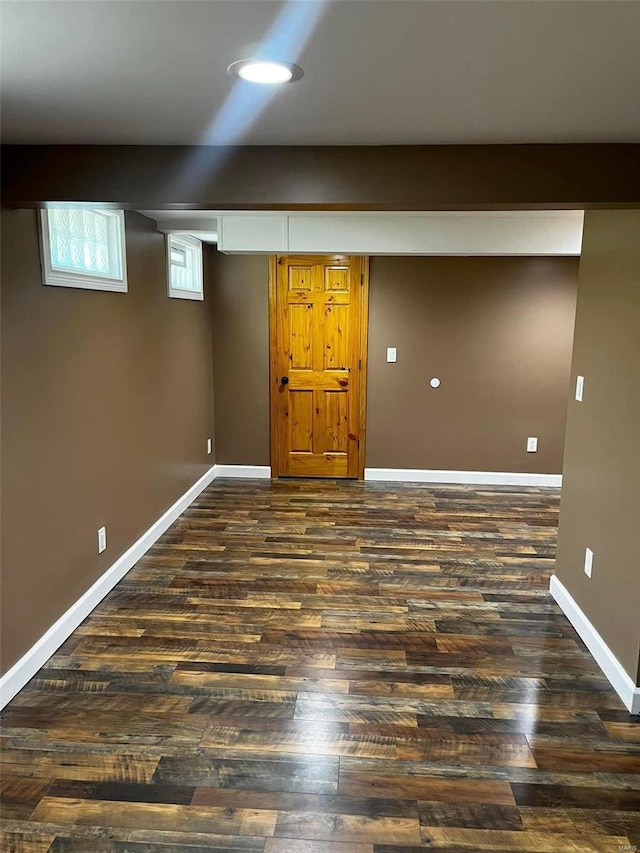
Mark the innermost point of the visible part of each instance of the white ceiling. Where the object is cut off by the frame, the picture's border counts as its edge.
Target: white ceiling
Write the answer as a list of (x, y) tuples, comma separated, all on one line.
[(376, 71)]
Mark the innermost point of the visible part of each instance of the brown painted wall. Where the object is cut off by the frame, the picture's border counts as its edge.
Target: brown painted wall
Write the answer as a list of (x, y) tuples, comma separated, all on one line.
[(497, 331), (409, 177), (239, 287), (106, 408), (600, 506)]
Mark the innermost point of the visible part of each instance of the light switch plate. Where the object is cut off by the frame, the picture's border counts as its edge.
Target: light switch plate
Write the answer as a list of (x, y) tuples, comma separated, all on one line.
[(208, 445), (392, 354), (588, 562), (579, 388), (532, 444), (102, 540)]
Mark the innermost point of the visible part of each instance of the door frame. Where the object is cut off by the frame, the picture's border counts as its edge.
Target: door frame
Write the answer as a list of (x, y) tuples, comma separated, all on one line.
[(273, 359)]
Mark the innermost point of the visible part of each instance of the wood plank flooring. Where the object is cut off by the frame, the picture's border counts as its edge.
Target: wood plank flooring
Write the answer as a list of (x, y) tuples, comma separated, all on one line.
[(328, 667)]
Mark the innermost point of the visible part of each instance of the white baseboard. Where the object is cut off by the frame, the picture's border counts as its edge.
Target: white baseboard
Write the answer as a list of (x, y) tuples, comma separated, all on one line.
[(483, 478), (621, 682), (28, 665), (248, 471)]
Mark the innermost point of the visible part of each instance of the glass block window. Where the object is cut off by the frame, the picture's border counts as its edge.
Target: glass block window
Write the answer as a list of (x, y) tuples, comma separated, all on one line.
[(184, 267), (83, 247)]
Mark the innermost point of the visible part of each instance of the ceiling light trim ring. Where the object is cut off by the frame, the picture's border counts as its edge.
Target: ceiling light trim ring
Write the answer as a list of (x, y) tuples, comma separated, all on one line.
[(294, 70)]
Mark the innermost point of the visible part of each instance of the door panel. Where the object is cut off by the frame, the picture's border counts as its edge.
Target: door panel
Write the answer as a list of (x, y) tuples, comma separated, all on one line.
[(335, 337), (300, 421), (336, 279), (301, 340), (335, 423), (318, 349), (300, 278)]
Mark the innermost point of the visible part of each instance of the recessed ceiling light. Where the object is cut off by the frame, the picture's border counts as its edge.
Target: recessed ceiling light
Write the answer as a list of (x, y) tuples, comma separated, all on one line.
[(265, 72)]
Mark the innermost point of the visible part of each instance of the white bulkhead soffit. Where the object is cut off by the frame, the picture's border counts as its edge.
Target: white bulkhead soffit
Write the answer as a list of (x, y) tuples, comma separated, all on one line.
[(437, 233), (524, 232)]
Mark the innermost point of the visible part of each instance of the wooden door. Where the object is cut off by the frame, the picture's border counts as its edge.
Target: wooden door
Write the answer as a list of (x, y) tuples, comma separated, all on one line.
[(318, 310)]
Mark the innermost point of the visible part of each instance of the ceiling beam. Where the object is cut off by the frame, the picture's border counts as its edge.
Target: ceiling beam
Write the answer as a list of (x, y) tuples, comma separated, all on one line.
[(436, 177)]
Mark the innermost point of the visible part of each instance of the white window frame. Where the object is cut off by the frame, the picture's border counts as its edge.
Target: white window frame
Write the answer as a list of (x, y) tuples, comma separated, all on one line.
[(185, 243), (59, 277)]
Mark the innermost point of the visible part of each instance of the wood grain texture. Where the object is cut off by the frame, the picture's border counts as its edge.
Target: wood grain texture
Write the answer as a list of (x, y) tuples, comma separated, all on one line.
[(328, 667), (318, 316)]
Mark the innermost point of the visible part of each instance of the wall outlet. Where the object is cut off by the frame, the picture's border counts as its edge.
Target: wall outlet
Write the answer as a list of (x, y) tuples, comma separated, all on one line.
[(579, 388), (532, 444), (209, 445), (588, 562), (102, 540), (392, 354)]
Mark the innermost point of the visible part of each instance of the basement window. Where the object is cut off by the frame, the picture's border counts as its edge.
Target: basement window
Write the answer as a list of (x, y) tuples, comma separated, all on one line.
[(184, 259), (83, 247)]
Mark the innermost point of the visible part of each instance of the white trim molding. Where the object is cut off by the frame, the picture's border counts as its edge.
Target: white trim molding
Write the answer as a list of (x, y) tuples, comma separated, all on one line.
[(480, 478), (261, 472), (621, 682), (113, 280), (191, 267), (29, 664)]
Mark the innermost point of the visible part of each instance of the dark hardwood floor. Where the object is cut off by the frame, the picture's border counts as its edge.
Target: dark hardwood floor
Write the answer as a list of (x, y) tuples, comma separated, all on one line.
[(322, 667)]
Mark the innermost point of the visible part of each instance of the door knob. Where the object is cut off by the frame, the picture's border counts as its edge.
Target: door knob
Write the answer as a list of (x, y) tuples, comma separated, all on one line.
[(285, 380)]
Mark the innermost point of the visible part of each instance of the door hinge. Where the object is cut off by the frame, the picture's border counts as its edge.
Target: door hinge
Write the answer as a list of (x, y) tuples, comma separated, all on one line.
[(358, 444), (362, 278), (359, 364)]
